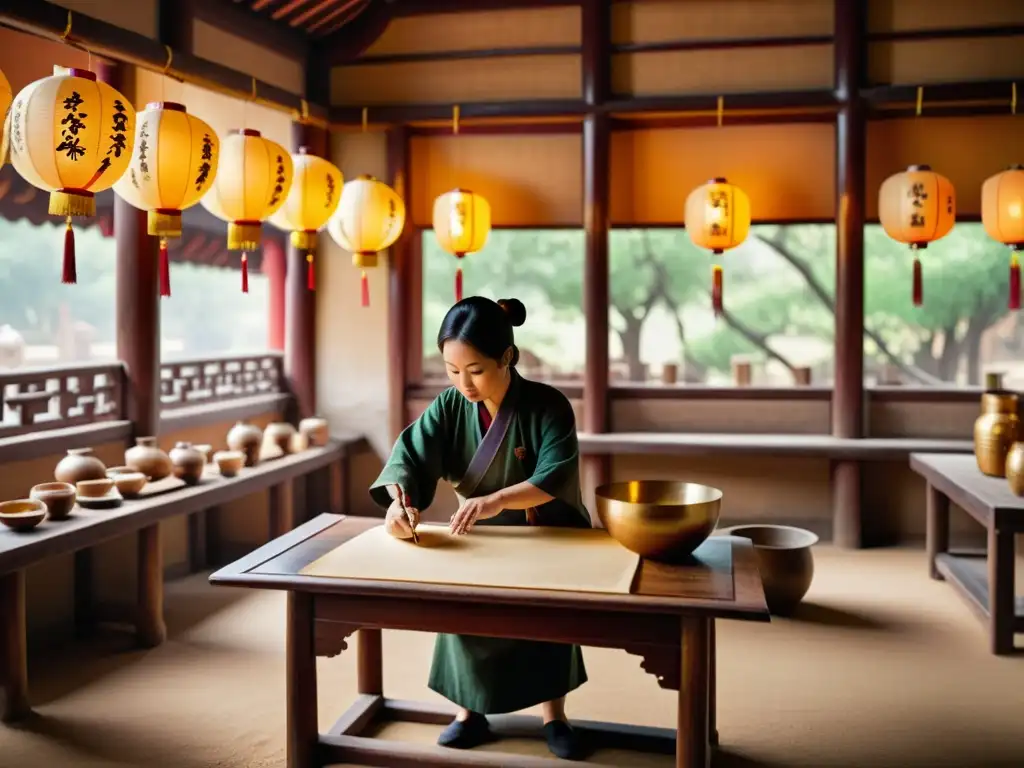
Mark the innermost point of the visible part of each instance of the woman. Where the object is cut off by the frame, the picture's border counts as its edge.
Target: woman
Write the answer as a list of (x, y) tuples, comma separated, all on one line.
[(509, 447)]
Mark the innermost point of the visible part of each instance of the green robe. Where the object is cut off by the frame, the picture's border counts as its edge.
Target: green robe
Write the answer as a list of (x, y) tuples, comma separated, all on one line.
[(483, 674)]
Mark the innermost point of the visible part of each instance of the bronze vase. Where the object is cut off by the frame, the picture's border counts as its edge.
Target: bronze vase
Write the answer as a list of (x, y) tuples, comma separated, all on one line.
[(1015, 468), (995, 430)]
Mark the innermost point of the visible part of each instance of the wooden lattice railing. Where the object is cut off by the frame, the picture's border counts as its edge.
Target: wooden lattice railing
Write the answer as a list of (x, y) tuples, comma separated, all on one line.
[(37, 399), (209, 380)]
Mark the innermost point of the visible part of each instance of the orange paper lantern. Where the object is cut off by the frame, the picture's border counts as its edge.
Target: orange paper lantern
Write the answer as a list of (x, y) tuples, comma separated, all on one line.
[(462, 223), (1002, 215), (917, 207), (717, 217)]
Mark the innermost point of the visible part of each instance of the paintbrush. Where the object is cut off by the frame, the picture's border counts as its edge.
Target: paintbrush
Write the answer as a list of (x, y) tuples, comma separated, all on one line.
[(408, 516)]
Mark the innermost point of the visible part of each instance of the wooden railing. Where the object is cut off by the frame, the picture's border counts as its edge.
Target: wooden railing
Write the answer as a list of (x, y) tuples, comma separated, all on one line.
[(185, 383), (38, 399)]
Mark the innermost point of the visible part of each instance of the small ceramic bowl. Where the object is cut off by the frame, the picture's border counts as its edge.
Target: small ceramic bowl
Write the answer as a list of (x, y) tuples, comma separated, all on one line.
[(129, 484), (58, 498), (111, 471), (22, 514), (94, 489), (229, 463)]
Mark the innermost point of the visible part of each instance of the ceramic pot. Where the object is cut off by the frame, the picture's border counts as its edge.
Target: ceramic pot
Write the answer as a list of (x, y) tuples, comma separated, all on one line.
[(315, 431), (129, 484), (995, 431), (187, 462), (22, 514), (1015, 468), (247, 439), (148, 459), (94, 489), (785, 560), (280, 433), (59, 498), (79, 465), (229, 463), (206, 450)]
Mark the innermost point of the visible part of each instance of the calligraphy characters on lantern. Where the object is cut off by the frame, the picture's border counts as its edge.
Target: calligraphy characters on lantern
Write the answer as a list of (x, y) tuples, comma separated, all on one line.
[(279, 181), (73, 122), (329, 196), (918, 196), (205, 162), (718, 224), (144, 151)]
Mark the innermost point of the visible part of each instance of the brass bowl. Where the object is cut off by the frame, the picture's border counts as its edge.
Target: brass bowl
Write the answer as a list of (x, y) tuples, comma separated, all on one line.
[(659, 519)]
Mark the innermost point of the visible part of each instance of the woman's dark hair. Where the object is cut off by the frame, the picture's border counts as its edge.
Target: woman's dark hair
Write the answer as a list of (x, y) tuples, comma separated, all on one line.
[(485, 325)]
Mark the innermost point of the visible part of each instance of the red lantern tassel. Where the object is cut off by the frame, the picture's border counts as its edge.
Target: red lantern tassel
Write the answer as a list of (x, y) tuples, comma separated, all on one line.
[(365, 286), (918, 283), (69, 273), (716, 289), (458, 278), (245, 273), (165, 269), (1014, 281), (310, 273)]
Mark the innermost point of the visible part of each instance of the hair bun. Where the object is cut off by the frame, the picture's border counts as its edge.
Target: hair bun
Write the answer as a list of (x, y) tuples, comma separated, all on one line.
[(514, 309)]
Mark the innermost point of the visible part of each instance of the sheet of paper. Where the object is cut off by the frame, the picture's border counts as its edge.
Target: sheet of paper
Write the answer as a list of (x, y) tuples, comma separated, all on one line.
[(517, 557)]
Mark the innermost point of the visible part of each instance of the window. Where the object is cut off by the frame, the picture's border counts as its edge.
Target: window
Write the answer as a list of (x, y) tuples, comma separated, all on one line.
[(207, 315), (777, 327), (963, 328), (543, 268), (42, 321)]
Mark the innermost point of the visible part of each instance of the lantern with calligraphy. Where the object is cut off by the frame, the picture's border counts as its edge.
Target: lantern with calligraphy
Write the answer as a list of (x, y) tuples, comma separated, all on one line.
[(173, 164), (72, 136), (717, 217), (369, 219), (1002, 214), (253, 180), (917, 207), (313, 199), (5, 106), (462, 222)]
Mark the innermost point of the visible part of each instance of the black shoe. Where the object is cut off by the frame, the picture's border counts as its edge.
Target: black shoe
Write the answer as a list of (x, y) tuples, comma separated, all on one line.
[(466, 734), (563, 741)]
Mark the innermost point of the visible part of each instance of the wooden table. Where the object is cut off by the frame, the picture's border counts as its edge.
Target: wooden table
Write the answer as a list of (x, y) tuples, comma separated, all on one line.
[(87, 528), (668, 620), (986, 580)]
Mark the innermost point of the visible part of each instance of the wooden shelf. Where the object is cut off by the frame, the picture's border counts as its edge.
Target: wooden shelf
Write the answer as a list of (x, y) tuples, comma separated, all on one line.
[(968, 574), (815, 446)]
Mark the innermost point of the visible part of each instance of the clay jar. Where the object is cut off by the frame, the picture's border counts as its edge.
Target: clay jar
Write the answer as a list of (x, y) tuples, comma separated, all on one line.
[(280, 433), (246, 438), (79, 465), (187, 462), (1015, 468), (995, 431), (148, 459), (315, 430)]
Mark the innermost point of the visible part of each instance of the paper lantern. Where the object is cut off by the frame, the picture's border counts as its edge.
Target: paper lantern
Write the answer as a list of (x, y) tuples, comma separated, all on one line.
[(369, 219), (462, 222), (917, 207), (313, 199), (5, 107), (717, 217), (72, 136), (253, 181), (1002, 215), (173, 164)]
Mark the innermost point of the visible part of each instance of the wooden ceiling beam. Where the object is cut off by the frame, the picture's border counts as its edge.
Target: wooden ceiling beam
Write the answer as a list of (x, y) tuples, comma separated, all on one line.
[(346, 44), (240, 20)]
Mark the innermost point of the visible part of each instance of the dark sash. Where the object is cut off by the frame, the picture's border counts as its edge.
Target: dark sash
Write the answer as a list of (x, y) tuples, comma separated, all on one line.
[(491, 442)]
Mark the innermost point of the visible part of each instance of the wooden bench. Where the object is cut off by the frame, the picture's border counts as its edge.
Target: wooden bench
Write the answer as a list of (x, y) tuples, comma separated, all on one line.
[(87, 528), (986, 579), (822, 446)]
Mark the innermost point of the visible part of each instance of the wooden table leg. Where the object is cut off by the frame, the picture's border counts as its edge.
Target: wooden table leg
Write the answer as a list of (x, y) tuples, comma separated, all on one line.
[(282, 509), (370, 669), (303, 730), (85, 603), (712, 684), (692, 743), (197, 558), (936, 527), (149, 627), (336, 483), (1001, 590), (14, 704)]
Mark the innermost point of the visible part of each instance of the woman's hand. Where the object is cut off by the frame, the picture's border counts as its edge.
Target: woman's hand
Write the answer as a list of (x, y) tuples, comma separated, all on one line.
[(396, 521), (472, 510)]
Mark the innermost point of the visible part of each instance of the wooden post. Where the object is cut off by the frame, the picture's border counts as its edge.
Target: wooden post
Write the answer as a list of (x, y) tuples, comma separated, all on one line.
[(150, 629), (596, 70), (693, 748), (851, 141), (398, 285), (274, 268), (282, 512), (936, 527), (300, 657), (370, 664), (14, 703), (300, 302)]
